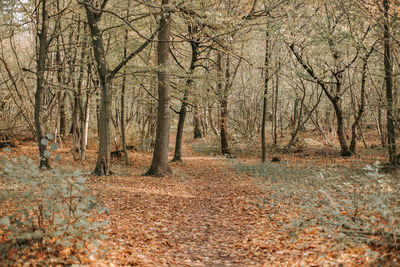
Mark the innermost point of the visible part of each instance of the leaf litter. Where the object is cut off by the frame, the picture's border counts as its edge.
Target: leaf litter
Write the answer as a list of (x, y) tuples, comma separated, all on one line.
[(206, 214)]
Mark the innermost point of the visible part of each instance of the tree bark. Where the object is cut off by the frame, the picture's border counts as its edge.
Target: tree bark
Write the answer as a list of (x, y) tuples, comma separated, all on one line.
[(361, 107), (105, 77), (196, 123), (60, 95), (334, 98), (391, 137), (103, 157), (160, 165), (264, 111), (223, 103), (123, 127), (275, 116), (182, 113), (85, 127), (83, 97), (181, 123), (211, 120), (75, 126), (345, 152), (41, 64)]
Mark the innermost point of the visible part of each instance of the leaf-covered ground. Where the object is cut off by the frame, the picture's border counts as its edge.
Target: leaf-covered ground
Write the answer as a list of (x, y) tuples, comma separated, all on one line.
[(205, 214)]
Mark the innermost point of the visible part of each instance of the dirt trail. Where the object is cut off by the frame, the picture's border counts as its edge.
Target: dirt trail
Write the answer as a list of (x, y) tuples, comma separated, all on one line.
[(204, 215)]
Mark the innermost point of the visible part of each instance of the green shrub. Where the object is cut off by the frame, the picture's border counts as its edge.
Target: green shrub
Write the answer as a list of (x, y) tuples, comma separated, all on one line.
[(208, 147), (50, 209), (351, 207)]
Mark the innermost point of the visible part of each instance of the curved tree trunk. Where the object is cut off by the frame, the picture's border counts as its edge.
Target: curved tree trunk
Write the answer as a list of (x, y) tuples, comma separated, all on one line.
[(159, 165), (182, 113), (361, 107), (179, 132), (333, 97)]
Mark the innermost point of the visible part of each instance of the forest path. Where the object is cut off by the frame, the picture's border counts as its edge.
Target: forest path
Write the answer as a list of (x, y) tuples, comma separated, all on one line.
[(203, 215)]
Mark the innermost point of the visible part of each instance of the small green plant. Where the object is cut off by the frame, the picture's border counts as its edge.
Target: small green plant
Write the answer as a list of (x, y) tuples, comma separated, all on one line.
[(349, 206), (274, 172), (146, 145), (208, 147), (49, 209)]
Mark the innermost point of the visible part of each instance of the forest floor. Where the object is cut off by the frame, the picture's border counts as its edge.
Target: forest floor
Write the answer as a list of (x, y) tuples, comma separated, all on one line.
[(205, 214)]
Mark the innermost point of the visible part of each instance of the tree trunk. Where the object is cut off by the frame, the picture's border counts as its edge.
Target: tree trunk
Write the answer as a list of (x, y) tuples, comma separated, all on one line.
[(105, 76), (264, 111), (159, 165), (224, 133), (41, 64), (182, 113), (103, 163), (103, 157), (81, 146), (381, 130), (98, 108), (345, 152), (211, 120), (63, 116), (85, 127), (391, 138), (60, 95), (297, 118), (196, 123), (204, 119), (223, 91), (85, 106), (179, 132), (334, 97), (361, 107), (75, 127), (295, 112), (123, 127), (275, 118)]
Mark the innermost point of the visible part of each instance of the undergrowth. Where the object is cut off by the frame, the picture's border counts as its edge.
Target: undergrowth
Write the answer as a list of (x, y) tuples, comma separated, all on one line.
[(47, 214), (351, 207)]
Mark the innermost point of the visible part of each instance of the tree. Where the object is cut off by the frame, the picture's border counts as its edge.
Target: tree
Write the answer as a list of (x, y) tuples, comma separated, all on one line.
[(105, 77), (330, 75), (44, 42), (389, 87), (223, 87), (159, 165), (265, 95), (194, 44)]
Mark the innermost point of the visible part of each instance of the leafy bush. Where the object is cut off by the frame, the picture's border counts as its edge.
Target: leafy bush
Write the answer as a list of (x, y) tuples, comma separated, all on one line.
[(352, 207), (146, 145), (274, 172), (50, 210), (208, 147)]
